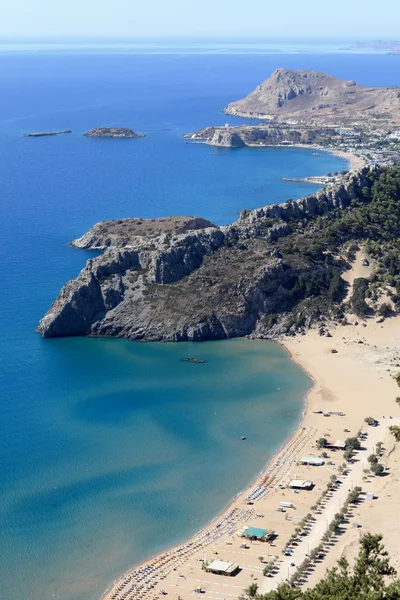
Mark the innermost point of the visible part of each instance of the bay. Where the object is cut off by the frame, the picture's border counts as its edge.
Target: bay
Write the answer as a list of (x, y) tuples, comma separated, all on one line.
[(109, 450)]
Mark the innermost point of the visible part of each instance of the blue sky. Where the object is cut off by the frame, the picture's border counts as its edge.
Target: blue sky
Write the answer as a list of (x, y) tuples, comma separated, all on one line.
[(279, 18)]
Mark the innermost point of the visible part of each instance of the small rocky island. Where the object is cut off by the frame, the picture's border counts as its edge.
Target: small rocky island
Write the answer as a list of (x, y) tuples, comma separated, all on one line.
[(113, 132), (47, 133), (275, 271)]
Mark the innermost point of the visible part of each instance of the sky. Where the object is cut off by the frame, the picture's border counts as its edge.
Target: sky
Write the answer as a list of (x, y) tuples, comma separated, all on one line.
[(356, 19)]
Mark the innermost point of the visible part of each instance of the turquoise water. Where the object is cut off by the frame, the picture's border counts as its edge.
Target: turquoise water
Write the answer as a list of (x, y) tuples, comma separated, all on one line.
[(111, 450), (130, 450)]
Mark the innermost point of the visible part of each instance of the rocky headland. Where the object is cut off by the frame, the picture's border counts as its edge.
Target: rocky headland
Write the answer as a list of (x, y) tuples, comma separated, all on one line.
[(307, 108), (276, 270), (317, 98), (113, 132), (238, 136)]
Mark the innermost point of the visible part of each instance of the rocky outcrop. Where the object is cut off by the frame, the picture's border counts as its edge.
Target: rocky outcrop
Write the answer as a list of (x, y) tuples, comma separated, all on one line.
[(206, 283), (237, 136), (125, 233), (225, 138), (338, 195), (309, 96), (47, 133), (112, 132)]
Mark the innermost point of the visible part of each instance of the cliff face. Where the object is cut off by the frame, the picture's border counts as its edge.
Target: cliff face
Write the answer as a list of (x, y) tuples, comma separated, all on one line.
[(208, 283), (260, 135), (316, 97)]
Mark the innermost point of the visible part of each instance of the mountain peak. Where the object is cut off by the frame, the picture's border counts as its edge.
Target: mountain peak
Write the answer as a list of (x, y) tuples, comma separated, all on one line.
[(316, 97)]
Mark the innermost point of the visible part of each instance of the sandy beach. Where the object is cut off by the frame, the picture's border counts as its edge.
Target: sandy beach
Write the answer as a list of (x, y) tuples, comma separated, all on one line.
[(355, 162), (353, 374)]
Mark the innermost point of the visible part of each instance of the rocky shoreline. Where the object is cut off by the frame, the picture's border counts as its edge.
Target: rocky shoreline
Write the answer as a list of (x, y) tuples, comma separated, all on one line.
[(194, 281)]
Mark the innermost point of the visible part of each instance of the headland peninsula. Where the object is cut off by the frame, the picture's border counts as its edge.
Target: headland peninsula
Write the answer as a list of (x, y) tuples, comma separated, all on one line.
[(320, 275), (276, 270), (315, 110)]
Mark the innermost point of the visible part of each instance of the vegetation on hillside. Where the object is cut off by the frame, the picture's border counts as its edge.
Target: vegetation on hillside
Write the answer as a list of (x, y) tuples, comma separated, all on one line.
[(326, 243)]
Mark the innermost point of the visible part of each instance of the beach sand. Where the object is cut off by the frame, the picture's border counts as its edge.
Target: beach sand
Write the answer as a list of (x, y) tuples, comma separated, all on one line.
[(355, 162), (356, 379)]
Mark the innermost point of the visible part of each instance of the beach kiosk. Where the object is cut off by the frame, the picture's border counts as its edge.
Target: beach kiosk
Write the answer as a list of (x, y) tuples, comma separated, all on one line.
[(338, 445), (221, 567), (255, 533), (300, 484), (309, 460)]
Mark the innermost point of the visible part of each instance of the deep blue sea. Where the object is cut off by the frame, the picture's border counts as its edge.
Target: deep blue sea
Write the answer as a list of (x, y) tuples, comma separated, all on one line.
[(110, 450)]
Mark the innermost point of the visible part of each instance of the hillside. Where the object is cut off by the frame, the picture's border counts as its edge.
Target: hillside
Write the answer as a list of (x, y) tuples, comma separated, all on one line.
[(309, 96), (277, 270)]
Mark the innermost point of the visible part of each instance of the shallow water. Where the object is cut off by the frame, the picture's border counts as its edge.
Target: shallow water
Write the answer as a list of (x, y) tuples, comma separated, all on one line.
[(122, 449)]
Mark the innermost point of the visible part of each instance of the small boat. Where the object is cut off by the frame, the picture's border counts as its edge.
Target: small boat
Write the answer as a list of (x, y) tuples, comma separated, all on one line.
[(243, 437), (315, 153)]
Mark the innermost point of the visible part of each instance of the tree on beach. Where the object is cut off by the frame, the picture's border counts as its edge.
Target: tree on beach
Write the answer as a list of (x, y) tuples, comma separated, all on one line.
[(251, 591), (377, 468), (352, 443), (348, 454), (372, 459), (322, 442), (267, 570), (395, 430)]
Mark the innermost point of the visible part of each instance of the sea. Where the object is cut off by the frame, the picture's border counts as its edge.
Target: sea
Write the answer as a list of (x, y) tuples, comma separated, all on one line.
[(113, 450)]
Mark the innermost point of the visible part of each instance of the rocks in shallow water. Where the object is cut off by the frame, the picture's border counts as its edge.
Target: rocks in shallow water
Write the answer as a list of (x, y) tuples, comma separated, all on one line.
[(46, 133), (197, 361)]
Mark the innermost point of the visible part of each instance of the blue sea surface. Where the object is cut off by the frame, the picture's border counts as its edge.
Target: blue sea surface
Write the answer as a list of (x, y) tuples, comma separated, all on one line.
[(110, 450)]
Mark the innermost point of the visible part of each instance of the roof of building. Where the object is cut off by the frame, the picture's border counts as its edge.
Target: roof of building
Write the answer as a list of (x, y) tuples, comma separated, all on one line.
[(311, 459), (338, 444), (221, 565), (300, 483), (255, 532)]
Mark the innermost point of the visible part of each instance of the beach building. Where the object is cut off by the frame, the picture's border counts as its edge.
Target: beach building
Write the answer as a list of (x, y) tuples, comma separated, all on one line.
[(221, 567), (338, 445), (256, 533), (309, 460), (300, 484), (285, 505)]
